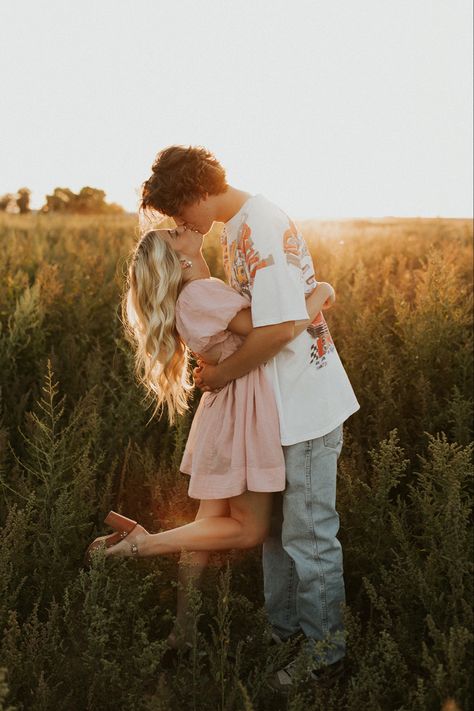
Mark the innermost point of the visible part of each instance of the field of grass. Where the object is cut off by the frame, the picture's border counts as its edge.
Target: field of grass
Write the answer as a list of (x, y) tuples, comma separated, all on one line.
[(74, 444)]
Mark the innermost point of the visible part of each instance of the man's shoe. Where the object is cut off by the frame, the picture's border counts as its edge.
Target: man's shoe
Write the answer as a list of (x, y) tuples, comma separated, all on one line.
[(276, 639), (329, 673), (283, 680)]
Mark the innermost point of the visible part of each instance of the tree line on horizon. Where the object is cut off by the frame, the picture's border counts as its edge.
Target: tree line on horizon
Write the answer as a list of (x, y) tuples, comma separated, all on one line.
[(88, 201)]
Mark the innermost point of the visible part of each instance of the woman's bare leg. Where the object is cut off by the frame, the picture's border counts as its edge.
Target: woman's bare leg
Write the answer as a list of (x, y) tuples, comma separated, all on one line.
[(191, 567), (238, 522), (245, 527)]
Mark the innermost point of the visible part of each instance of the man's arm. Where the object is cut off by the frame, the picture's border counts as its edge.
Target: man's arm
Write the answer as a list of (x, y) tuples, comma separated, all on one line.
[(261, 344), (321, 298), (266, 342), (278, 299)]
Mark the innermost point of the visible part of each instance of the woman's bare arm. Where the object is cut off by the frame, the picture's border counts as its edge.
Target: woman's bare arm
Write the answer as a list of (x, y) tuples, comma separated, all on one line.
[(241, 324), (322, 297), (260, 343)]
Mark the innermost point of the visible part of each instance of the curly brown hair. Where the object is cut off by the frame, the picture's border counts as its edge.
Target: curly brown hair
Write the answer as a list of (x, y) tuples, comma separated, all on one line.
[(182, 176)]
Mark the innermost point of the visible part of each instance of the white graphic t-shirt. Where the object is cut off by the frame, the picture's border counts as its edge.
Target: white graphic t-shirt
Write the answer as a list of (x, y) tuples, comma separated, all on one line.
[(266, 259)]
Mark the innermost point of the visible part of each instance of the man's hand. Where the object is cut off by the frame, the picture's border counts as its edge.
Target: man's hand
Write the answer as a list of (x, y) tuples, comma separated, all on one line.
[(208, 378)]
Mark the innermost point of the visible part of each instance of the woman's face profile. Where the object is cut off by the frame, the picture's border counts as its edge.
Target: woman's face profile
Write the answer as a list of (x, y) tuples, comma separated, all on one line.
[(182, 240)]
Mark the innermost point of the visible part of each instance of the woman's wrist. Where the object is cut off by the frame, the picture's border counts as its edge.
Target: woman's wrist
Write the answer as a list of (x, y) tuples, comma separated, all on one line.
[(317, 298)]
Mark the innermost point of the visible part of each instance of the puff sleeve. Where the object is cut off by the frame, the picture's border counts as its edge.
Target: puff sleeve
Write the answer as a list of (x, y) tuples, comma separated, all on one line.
[(204, 309)]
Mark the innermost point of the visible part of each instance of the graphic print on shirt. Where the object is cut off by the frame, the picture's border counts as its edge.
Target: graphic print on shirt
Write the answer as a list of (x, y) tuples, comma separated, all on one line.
[(323, 343), (242, 260), (310, 397), (297, 254)]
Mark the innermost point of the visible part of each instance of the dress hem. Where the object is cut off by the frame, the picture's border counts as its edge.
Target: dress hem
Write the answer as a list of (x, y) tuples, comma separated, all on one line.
[(214, 493)]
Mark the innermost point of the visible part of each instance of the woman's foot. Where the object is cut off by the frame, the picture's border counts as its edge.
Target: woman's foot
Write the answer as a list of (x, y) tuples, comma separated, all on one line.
[(129, 545)]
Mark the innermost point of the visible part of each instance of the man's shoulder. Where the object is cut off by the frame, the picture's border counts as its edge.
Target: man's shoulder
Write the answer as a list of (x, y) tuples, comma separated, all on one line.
[(261, 208)]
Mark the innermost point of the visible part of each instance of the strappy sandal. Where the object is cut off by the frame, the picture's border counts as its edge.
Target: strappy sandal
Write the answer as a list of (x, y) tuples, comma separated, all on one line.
[(122, 527)]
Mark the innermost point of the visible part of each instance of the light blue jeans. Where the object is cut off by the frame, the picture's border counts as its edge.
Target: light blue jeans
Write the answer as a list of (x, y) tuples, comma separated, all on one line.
[(302, 558)]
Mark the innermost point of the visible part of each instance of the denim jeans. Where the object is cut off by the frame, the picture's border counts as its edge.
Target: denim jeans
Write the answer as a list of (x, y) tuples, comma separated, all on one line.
[(302, 558)]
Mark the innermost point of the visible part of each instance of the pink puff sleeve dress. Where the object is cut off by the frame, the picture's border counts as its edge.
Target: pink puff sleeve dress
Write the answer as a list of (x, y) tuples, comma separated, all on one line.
[(234, 441)]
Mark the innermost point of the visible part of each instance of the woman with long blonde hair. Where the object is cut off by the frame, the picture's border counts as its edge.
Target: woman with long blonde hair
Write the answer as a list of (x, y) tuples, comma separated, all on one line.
[(233, 455)]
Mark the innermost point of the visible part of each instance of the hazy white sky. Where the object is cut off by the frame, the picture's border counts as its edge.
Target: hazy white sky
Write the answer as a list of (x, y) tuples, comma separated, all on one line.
[(331, 109)]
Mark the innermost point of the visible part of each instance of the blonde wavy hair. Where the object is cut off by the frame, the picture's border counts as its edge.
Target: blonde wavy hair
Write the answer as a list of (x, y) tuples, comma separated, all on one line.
[(148, 314)]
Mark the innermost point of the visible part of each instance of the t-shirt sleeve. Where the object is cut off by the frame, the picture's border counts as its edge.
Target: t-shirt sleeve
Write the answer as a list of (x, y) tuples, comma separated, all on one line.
[(204, 310), (278, 291)]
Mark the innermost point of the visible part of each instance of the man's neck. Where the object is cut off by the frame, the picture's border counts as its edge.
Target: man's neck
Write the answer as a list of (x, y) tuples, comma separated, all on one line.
[(230, 203)]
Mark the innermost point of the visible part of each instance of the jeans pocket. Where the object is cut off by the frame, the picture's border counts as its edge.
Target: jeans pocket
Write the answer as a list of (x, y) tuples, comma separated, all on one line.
[(333, 439)]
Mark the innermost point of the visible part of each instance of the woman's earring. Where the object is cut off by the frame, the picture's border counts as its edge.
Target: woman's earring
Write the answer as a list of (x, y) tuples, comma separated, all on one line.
[(186, 263)]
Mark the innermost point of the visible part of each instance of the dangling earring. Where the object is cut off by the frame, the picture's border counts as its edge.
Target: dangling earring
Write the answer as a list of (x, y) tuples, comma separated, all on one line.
[(186, 263)]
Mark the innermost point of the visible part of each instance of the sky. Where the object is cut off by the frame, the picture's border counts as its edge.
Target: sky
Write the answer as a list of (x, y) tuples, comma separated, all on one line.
[(331, 109)]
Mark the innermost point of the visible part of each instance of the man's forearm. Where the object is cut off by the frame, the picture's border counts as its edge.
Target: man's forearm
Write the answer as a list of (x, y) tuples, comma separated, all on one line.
[(260, 345)]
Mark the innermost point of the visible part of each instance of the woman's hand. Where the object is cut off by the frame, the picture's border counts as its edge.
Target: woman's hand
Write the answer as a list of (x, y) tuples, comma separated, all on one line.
[(322, 297), (207, 377), (197, 374), (331, 296)]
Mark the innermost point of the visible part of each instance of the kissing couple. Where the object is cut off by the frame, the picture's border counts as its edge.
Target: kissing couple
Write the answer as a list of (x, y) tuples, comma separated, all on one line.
[(263, 446)]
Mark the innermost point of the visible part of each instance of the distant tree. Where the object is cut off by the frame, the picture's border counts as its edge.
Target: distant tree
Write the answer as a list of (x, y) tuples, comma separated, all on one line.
[(114, 207), (7, 202), (89, 201), (59, 201), (23, 200)]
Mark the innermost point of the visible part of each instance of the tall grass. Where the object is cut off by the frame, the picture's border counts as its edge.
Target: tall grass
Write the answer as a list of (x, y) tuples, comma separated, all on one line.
[(74, 443)]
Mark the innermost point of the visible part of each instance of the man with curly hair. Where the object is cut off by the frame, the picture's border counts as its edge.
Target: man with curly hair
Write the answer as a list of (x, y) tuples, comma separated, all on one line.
[(266, 259)]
